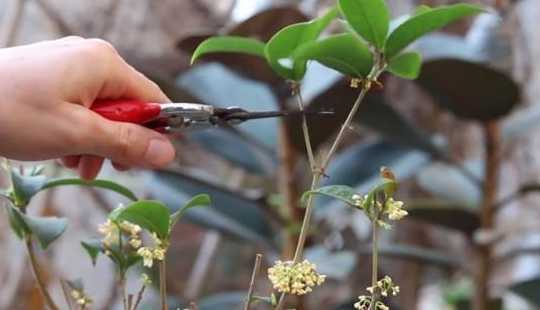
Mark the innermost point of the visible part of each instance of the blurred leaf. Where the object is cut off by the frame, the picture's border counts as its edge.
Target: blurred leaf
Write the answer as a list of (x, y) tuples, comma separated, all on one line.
[(426, 21), (374, 113), (281, 48), (201, 200), (231, 212), (340, 192), (467, 89), (406, 65), (16, 221), (413, 253), (25, 187), (229, 44), (369, 18), (231, 300), (449, 183), (105, 184), (445, 214), (528, 290), (442, 45), (150, 215), (344, 53), (261, 26), (93, 248), (335, 265), (46, 229)]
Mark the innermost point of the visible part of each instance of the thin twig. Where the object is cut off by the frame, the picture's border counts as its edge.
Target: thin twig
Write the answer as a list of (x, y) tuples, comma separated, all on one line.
[(140, 295), (374, 264), (37, 273), (305, 130), (122, 284), (163, 284), (256, 269), (66, 294)]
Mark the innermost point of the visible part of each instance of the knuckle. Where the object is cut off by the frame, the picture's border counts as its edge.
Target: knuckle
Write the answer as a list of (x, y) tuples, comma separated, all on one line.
[(101, 47), (125, 141)]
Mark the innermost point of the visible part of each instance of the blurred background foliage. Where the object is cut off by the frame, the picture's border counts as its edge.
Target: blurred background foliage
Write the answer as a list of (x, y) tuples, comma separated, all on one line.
[(479, 83)]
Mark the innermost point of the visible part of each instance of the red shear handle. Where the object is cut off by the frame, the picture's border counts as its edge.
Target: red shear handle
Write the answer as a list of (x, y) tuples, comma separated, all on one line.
[(127, 111)]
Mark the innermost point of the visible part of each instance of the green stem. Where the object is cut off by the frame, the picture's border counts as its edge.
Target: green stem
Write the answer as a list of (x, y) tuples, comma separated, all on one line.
[(318, 172), (374, 263), (122, 284), (37, 273), (163, 284)]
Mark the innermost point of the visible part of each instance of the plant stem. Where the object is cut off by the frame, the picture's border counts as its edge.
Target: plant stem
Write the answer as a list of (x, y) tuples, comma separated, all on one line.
[(492, 162), (163, 284), (256, 269), (37, 273), (66, 294), (374, 263), (140, 295), (122, 284), (318, 172), (305, 130)]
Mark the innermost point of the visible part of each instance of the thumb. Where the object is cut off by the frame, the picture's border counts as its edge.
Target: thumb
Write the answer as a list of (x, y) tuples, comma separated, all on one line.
[(129, 144)]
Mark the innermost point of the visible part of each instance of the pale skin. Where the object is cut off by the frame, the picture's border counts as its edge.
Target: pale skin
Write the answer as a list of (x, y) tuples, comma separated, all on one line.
[(46, 90)]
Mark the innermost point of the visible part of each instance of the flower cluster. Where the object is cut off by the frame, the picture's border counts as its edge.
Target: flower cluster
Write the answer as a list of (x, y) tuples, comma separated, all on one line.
[(80, 298), (385, 287), (364, 303), (149, 254), (296, 279), (394, 209)]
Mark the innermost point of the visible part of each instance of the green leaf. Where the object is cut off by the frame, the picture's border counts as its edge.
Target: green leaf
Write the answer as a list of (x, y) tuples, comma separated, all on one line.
[(46, 229), (340, 192), (280, 50), (369, 18), (25, 187), (150, 215), (343, 52), (16, 221), (529, 290), (202, 200), (93, 248), (426, 21), (406, 65), (229, 44), (105, 184)]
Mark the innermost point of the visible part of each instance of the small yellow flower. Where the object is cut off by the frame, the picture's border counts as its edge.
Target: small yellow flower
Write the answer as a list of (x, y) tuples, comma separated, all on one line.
[(394, 209), (147, 256), (110, 232), (296, 279), (80, 298), (357, 199), (364, 302), (135, 242)]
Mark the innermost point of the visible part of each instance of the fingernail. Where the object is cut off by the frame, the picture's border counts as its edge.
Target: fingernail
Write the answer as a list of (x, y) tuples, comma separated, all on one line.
[(159, 152)]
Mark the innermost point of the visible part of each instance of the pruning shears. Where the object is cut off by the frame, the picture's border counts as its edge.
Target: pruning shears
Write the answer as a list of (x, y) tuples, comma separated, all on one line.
[(176, 117)]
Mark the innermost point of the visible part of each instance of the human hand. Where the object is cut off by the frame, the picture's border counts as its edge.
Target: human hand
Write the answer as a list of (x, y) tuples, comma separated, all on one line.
[(45, 92)]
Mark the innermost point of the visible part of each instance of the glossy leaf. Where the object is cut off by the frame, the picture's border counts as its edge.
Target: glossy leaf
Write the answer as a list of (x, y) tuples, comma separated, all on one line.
[(468, 89), (232, 213), (105, 184), (344, 53), (280, 50), (150, 215), (528, 290), (202, 200), (406, 65), (93, 248), (25, 187), (229, 44), (454, 216), (261, 26), (340, 192), (426, 21), (369, 18), (16, 221)]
